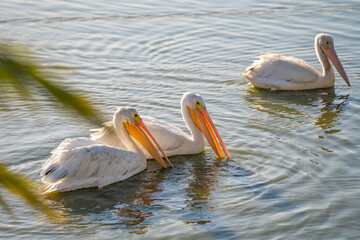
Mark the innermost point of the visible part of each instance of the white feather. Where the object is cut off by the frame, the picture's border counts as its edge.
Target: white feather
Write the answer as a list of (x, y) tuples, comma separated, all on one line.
[(107, 135), (93, 165)]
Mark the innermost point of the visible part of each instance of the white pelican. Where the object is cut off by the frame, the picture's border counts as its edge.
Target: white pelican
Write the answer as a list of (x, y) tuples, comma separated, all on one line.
[(81, 162), (172, 139), (279, 72)]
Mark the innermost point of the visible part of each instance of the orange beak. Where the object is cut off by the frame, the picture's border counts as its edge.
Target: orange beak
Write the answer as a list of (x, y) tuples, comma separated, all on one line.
[(331, 54), (203, 121), (144, 137)]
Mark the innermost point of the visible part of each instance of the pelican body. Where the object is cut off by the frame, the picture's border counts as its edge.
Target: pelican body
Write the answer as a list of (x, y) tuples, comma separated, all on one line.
[(279, 72), (171, 139), (82, 163)]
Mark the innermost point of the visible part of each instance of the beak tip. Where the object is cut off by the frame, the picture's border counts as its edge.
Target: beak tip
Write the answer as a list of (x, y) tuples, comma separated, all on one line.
[(348, 83)]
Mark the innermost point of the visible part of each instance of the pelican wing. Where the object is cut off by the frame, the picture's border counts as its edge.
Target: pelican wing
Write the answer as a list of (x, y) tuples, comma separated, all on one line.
[(282, 68), (57, 157), (89, 166), (168, 136), (107, 135)]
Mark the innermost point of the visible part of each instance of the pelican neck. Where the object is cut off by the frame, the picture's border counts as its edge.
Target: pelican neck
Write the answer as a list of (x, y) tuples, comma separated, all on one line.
[(323, 59), (127, 140), (196, 134)]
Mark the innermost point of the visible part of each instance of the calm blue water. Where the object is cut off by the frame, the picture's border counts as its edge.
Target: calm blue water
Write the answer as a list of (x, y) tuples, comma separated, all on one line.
[(295, 166)]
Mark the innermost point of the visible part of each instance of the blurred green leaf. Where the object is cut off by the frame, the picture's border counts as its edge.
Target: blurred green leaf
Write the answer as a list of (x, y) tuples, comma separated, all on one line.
[(21, 73), (20, 186)]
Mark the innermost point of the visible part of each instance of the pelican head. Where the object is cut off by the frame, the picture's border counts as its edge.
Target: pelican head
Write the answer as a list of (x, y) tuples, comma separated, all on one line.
[(326, 44), (127, 121), (201, 118)]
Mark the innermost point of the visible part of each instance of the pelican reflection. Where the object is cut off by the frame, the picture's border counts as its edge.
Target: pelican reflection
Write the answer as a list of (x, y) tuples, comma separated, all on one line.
[(285, 104), (126, 205)]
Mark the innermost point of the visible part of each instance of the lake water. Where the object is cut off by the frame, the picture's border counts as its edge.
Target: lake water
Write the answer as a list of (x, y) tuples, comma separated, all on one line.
[(295, 169)]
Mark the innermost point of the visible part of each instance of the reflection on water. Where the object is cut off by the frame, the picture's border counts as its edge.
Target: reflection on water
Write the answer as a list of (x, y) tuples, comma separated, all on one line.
[(94, 200), (330, 113), (200, 178), (132, 202), (201, 181), (129, 202), (285, 104), (135, 216)]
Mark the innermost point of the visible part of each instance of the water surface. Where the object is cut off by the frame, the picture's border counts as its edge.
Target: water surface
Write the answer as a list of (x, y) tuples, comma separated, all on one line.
[(294, 171)]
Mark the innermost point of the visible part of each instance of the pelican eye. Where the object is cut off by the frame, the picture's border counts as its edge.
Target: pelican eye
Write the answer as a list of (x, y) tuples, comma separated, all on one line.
[(198, 105), (137, 117)]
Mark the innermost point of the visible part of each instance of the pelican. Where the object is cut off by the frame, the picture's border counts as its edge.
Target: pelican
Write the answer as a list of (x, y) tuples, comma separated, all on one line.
[(279, 72), (82, 163), (172, 139)]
